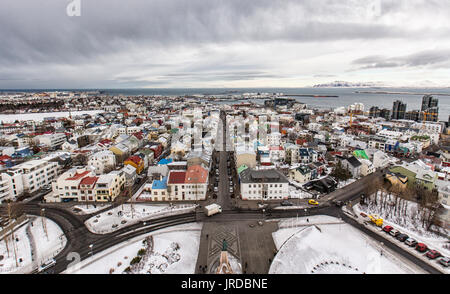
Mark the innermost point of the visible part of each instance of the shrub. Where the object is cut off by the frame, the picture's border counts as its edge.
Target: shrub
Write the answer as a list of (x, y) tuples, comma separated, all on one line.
[(135, 260)]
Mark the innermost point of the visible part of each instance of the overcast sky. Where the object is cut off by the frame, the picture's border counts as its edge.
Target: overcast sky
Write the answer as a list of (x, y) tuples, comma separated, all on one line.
[(228, 43)]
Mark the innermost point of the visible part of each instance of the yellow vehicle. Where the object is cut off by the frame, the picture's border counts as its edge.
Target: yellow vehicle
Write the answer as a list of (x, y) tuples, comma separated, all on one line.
[(376, 219), (313, 202)]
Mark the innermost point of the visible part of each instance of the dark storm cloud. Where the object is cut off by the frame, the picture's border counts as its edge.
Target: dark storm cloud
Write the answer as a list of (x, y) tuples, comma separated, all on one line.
[(128, 37), (40, 31), (433, 58)]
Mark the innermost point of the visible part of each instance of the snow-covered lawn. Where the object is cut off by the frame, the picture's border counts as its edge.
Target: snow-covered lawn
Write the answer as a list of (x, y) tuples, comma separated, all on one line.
[(173, 251), (123, 215), (330, 247), (88, 209), (44, 240), (22, 251)]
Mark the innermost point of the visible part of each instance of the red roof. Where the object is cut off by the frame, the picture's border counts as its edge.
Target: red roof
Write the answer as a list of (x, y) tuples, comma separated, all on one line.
[(138, 135), (196, 174), (176, 177), (89, 181), (5, 157), (77, 176), (136, 159), (105, 141)]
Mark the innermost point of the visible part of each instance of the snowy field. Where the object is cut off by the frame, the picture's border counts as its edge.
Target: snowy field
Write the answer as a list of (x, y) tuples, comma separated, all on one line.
[(324, 245), (39, 116), (88, 209), (127, 214), (37, 242), (168, 251)]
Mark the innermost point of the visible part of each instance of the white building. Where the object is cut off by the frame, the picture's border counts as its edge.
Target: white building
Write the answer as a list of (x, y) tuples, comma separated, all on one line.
[(51, 140), (380, 159), (366, 167), (102, 160), (67, 186), (263, 185), (28, 177)]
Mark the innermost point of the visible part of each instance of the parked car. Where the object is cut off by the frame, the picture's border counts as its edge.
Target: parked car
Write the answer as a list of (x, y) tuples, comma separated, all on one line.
[(286, 203), (387, 229), (433, 254), (402, 237), (394, 233), (421, 247), (444, 261), (216, 189), (411, 242), (313, 202), (231, 190), (338, 203)]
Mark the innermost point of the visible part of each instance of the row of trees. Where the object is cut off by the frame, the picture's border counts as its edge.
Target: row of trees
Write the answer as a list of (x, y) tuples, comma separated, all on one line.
[(395, 200)]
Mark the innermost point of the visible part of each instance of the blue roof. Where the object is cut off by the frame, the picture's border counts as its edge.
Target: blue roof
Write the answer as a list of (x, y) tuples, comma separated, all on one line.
[(165, 161), (160, 184), (303, 152)]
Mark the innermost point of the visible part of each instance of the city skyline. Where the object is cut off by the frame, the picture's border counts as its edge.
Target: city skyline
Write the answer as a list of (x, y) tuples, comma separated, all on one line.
[(229, 44)]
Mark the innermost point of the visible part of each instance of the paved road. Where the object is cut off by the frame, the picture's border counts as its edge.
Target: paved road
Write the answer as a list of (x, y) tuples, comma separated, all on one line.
[(79, 238)]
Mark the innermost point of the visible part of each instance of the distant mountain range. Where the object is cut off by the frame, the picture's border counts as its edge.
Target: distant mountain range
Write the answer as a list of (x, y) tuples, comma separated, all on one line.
[(344, 84)]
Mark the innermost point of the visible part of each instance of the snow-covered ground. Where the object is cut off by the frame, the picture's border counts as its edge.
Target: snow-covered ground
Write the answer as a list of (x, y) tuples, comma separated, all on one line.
[(174, 251), (342, 184), (407, 220), (128, 214), (88, 209), (325, 245), (37, 242), (298, 194), (39, 116)]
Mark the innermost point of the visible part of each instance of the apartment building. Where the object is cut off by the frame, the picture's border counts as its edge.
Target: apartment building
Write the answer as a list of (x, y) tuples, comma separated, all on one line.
[(109, 186), (51, 140)]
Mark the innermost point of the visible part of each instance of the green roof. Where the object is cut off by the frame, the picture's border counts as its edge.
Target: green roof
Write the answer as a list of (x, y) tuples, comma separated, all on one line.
[(242, 168), (360, 154)]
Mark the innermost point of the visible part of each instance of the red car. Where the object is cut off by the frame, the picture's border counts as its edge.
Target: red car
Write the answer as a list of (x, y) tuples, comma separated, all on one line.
[(387, 229), (421, 247), (432, 254)]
